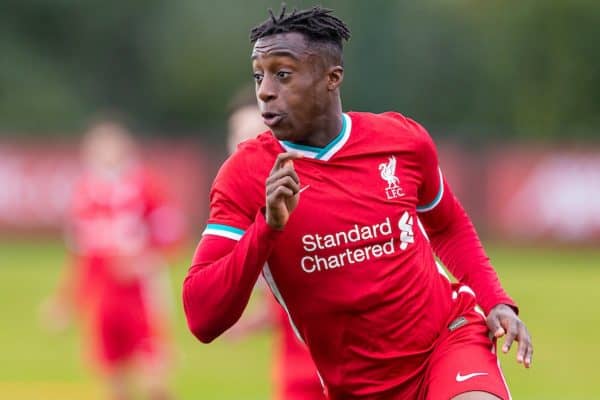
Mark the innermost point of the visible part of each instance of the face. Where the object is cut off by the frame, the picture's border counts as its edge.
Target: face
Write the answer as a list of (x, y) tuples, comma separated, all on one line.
[(294, 85), (107, 147), (244, 124)]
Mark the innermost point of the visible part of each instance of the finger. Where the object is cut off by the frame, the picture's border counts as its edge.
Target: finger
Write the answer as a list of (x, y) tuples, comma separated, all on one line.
[(283, 158), (499, 332), (529, 355), (511, 334), (286, 181), (495, 327), (523, 340), (525, 347), (279, 193), (284, 171)]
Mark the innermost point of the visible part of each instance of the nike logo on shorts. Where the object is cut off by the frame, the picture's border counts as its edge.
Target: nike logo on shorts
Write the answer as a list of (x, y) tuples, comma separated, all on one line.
[(462, 378)]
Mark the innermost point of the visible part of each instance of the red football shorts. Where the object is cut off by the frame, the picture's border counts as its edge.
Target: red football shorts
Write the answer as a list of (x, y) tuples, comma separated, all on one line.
[(465, 359), (123, 331)]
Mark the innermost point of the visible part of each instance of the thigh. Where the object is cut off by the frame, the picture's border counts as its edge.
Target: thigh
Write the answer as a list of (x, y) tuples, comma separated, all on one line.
[(123, 327), (465, 361)]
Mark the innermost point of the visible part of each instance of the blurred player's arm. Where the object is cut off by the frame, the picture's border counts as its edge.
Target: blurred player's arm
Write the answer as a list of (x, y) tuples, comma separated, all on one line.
[(165, 217), (56, 311), (259, 318)]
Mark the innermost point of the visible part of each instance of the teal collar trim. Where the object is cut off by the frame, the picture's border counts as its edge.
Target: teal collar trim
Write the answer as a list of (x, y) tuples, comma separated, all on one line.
[(328, 151)]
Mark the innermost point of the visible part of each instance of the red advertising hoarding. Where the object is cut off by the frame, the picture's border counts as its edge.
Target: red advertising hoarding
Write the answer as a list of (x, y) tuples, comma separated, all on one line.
[(522, 194), (36, 182), (544, 195)]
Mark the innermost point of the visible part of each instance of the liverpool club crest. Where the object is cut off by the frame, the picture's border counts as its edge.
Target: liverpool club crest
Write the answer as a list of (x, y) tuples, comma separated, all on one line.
[(388, 174)]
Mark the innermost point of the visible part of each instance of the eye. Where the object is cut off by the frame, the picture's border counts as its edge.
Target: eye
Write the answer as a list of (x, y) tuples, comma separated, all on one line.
[(258, 77), (283, 74)]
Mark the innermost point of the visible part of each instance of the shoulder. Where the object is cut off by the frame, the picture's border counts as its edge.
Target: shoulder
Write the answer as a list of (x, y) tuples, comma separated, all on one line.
[(402, 123), (238, 189), (389, 121), (260, 146), (391, 128), (152, 184), (85, 186), (253, 157), (249, 165), (144, 175), (80, 191)]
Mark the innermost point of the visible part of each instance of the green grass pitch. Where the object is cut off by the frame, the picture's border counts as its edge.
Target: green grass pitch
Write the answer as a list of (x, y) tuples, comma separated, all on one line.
[(558, 291)]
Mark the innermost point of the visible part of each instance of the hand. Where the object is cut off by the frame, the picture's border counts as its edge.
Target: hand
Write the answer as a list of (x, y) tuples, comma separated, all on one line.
[(128, 267), (282, 190), (55, 314), (502, 320)]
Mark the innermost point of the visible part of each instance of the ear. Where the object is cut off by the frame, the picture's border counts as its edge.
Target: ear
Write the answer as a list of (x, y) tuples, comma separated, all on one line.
[(335, 76)]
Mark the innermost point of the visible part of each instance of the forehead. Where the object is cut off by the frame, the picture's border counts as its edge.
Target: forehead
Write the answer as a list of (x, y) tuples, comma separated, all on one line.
[(290, 44)]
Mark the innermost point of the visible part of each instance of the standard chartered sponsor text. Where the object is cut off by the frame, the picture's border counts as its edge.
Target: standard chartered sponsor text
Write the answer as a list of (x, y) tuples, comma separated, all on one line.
[(312, 243)]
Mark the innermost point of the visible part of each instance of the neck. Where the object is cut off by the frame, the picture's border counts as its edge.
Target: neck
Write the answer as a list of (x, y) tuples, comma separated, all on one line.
[(327, 128)]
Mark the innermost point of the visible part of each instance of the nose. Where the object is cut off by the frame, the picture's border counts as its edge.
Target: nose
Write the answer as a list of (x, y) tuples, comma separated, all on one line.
[(266, 90)]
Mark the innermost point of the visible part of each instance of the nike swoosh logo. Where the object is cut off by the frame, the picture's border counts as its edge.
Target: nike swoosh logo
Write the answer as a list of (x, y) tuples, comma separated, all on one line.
[(462, 378), (303, 189)]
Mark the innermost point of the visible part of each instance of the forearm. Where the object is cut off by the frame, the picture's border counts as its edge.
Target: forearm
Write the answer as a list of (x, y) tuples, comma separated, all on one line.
[(220, 281), (457, 244), (66, 288)]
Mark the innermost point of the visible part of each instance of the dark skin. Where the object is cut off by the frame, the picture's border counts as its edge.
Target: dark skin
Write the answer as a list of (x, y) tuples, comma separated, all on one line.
[(297, 91), (297, 88), (298, 97)]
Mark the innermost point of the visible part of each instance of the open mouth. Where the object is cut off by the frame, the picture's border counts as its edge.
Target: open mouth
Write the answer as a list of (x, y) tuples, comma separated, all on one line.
[(271, 119)]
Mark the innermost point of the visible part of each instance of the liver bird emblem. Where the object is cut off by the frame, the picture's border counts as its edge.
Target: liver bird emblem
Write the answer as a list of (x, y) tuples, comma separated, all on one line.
[(388, 172)]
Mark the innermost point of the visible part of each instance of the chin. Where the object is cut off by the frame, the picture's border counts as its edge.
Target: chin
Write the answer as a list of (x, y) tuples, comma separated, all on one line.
[(282, 134)]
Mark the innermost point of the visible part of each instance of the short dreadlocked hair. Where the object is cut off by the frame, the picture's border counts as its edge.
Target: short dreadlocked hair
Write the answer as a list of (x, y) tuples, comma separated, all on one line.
[(316, 24)]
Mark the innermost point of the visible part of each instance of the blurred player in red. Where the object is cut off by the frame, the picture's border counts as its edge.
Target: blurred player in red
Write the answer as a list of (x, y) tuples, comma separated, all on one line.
[(119, 228), (295, 375)]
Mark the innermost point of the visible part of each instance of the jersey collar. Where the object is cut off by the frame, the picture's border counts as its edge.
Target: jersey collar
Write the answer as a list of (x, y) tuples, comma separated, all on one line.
[(328, 151)]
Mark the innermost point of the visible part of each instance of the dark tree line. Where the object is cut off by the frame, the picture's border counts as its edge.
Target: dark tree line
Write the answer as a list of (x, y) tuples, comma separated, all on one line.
[(467, 69)]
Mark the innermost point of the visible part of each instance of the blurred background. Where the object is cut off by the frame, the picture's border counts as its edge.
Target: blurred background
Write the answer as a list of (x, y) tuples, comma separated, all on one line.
[(509, 90)]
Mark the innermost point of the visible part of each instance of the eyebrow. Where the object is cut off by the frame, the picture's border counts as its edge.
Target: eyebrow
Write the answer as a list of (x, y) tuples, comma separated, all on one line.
[(280, 53)]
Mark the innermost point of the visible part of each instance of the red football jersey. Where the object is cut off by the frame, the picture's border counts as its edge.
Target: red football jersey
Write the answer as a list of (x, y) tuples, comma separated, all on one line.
[(353, 267), (120, 219), (122, 213)]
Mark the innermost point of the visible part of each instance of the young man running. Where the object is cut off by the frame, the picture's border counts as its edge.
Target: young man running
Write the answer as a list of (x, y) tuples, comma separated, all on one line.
[(340, 213)]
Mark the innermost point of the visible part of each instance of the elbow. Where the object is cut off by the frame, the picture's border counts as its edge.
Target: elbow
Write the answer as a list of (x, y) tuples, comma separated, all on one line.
[(202, 333), (206, 325), (201, 319), (200, 326)]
